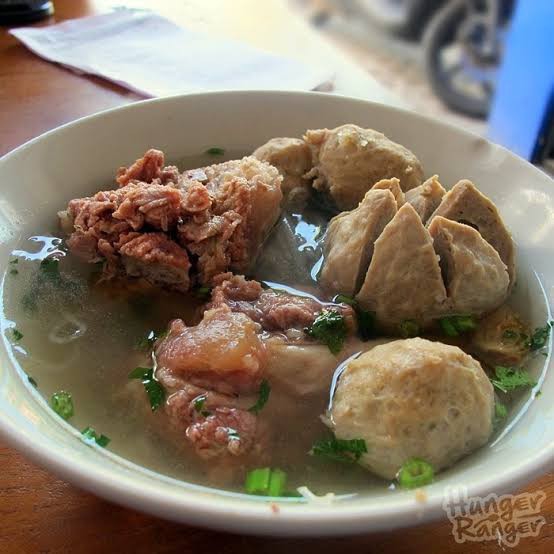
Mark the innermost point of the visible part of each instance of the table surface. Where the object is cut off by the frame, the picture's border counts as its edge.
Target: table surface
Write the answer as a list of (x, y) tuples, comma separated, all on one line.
[(40, 513)]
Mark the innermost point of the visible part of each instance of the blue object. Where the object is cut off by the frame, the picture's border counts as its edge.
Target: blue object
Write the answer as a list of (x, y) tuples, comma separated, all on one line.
[(523, 106)]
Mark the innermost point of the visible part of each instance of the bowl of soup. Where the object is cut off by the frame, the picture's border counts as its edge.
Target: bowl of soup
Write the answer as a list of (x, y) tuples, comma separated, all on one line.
[(277, 313)]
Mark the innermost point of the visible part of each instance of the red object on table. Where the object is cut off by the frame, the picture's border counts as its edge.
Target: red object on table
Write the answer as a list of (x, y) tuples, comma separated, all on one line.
[(39, 512)]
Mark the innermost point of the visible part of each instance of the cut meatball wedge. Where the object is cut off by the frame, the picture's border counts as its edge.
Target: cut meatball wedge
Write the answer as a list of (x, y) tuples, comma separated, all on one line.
[(404, 279), (426, 198), (350, 239), (475, 276), (394, 186), (465, 204)]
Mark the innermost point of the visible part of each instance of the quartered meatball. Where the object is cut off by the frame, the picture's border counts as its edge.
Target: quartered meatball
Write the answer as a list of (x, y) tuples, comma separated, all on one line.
[(465, 204), (349, 242), (404, 279), (476, 278), (394, 186), (426, 198), (349, 160), (413, 399), (293, 158)]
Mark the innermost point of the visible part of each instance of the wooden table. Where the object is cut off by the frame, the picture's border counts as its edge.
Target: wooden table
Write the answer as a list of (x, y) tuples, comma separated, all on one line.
[(40, 513)]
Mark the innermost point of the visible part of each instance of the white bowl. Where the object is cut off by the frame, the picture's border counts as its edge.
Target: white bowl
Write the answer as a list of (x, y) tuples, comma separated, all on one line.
[(74, 160)]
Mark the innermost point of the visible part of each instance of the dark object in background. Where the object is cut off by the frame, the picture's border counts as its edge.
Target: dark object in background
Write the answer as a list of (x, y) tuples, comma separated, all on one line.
[(13, 12), (462, 47), (404, 18)]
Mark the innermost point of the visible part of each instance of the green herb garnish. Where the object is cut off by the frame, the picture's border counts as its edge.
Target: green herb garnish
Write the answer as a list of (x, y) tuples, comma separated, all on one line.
[(365, 318), (199, 403), (154, 390), (263, 396), (415, 473), (539, 338), (510, 335), (147, 342), (456, 325), (90, 435), (202, 293), (215, 151), (339, 450), (14, 261), (13, 271), (508, 379), (62, 403), (329, 327), (50, 268), (32, 381), (16, 334), (408, 329), (265, 482)]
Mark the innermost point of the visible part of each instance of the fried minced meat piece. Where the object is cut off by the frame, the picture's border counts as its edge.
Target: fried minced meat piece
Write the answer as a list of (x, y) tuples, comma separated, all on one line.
[(219, 222)]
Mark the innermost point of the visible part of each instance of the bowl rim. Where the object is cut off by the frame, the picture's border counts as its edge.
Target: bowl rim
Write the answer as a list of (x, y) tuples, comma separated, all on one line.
[(255, 517)]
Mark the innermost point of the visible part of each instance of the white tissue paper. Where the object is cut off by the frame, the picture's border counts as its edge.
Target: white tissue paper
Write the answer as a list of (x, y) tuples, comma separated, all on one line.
[(151, 55)]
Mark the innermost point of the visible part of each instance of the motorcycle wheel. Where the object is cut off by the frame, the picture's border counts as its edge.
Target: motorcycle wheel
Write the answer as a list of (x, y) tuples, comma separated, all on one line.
[(441, 34)]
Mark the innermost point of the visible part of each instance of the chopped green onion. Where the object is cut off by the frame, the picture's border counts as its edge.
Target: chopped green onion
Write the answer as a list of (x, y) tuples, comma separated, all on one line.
[(500, 411), (257, 481), (539, 338), (510, 378), (62, 403), (16, 334), (263, 397), (90, 435), (266, 482), (215, 151), (277, 483), (32, 381), (13, 271), (339, 450), (455, 325), (409, 328), (14, 261), (154, 390), (415, 473), (538, 393), (500, 414), (329, 327)]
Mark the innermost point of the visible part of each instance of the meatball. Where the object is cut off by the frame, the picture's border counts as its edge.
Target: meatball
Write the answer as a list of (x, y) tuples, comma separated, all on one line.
[(293, 158), (349, 160), (413, 398)]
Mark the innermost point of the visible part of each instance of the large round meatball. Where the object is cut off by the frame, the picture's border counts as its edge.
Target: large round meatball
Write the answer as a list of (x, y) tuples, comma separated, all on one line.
[(413, 398), (349, 160)]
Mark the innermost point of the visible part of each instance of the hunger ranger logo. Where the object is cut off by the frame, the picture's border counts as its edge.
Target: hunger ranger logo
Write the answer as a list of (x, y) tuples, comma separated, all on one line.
[(505, 519)]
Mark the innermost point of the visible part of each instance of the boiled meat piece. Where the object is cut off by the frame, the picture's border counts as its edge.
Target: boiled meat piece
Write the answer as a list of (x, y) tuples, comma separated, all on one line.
[(349, 160), (293, 158), (465, 204), (349, 242), (475, 276), (394, 186), (426, 198), (404, 278)]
